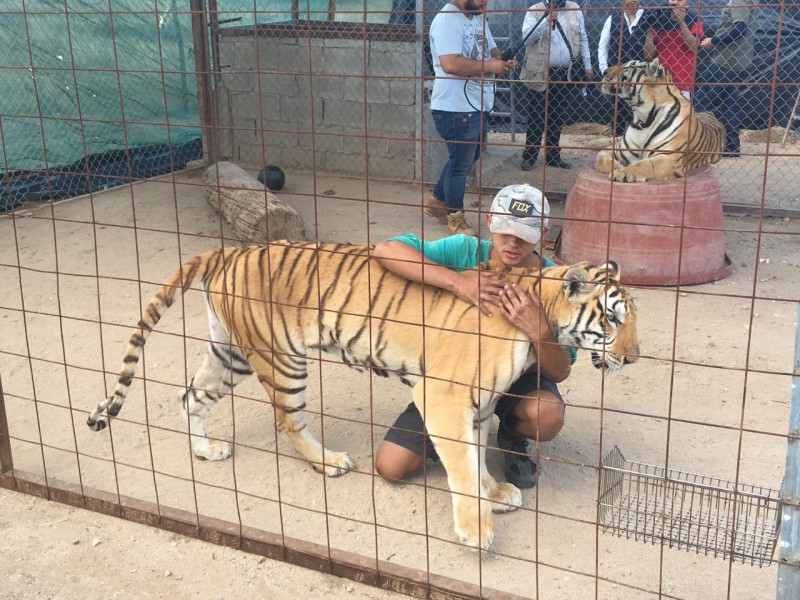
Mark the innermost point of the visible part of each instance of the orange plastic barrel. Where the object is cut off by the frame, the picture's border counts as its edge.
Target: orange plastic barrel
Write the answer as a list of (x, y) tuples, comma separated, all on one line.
[(660, 232)]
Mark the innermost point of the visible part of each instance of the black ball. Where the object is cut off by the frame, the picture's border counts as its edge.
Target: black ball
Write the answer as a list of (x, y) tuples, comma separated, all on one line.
[(272, 177)]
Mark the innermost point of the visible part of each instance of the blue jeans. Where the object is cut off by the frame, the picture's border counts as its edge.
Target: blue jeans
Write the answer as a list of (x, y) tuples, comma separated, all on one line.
[(722, 100), (464, 133)]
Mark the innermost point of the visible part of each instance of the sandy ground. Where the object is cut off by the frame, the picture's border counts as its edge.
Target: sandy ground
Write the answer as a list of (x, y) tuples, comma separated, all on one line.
[(710, 396)]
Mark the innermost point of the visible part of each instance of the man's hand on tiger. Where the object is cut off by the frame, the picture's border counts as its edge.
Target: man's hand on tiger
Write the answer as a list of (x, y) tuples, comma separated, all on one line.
[(523, 309), (479, 288)]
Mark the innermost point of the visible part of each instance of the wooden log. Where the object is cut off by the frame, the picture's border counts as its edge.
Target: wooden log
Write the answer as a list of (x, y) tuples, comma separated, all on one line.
[(255, 214)]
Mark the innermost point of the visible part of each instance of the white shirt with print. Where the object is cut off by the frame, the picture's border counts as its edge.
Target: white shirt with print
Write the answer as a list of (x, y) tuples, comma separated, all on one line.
[(453, 33)]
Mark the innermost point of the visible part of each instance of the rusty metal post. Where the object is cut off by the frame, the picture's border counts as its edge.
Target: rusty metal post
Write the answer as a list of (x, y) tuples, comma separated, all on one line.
[(202, 67), (6, 464), (789, 543)]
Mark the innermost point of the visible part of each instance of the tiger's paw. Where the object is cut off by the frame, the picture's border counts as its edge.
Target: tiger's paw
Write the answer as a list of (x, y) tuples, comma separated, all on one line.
[(602, 163), (336, 464), (506, 497), (207, 450), (473, 522), (621, 176), (480, 537)]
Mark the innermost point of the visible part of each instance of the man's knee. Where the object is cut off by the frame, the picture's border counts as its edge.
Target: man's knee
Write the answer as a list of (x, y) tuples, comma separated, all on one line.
[(389, 471), (547, 413), (393, 462)]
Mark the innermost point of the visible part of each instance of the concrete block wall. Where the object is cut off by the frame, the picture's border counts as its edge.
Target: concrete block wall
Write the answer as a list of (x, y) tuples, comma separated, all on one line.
[(333, 97)]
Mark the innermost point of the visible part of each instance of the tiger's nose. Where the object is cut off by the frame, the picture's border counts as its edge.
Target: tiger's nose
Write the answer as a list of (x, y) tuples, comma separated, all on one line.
[(631, 358)]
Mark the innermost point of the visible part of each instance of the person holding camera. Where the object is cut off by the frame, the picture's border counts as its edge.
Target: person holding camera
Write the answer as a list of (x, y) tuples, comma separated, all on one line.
[(731, 49), (465, 61), (557, 54), (622, 40), (674, 37)]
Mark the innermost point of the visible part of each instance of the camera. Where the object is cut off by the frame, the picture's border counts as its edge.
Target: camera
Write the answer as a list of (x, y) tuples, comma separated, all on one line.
[(549, 4), (660, 17)]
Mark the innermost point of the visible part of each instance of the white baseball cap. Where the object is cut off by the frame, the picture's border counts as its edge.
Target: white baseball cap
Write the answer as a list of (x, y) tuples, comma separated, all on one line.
[(520, 210)]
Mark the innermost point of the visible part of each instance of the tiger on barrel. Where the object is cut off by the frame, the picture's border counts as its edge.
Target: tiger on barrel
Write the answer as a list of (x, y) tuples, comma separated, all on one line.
[(667, 138)]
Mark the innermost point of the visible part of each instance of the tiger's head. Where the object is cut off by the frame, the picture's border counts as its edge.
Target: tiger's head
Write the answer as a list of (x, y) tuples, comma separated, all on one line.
[(587, 308), (635, 81)]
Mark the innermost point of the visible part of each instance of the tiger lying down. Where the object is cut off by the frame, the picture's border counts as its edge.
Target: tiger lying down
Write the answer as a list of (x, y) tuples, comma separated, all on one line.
[(667, 138), (269, 305)]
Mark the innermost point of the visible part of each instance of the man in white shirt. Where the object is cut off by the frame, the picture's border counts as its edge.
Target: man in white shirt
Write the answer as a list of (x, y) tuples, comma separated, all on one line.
[(622, 40), (465, 61), (557, 52)]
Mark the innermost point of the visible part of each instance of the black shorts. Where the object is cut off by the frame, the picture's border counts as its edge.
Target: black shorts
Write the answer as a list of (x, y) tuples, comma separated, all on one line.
[(409, 431)]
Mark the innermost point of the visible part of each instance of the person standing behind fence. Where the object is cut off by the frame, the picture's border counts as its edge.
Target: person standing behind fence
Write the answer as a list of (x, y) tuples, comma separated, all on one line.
[(622, 40), (731, 49), (674, 38), (403, 12), (464, 57), (552, 58)]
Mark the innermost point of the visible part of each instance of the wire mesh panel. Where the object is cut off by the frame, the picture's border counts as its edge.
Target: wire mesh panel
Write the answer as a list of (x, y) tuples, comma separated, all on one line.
[(685, 510)]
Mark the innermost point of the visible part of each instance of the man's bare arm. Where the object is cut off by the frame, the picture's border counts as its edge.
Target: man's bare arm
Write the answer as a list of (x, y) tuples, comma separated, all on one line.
[(456, 64), (650, 52), (478, 288)]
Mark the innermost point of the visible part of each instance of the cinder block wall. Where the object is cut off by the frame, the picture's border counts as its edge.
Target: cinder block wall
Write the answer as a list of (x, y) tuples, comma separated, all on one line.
[(337, 97)]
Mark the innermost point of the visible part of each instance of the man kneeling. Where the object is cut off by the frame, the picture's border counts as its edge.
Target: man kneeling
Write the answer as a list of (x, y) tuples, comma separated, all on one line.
[(532, 408)]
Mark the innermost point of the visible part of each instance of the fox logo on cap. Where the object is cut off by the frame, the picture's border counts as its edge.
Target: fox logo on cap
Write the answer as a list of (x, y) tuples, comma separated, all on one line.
[(521, 208)]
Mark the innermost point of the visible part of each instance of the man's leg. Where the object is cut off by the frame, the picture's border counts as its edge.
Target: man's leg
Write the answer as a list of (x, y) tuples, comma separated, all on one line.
[(557, 96), (732, 114), (531, 409), (462, 149), (533, 107), (465, 132), (435, 206), (708, 95), (624, 118), (405, 447)]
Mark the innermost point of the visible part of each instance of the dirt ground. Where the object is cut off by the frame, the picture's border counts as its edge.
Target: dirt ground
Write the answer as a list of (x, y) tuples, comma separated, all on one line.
[(710, 396)]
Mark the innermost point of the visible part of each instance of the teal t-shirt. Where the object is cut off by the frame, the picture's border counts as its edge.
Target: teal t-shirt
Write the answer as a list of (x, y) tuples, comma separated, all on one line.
[(460, 252)]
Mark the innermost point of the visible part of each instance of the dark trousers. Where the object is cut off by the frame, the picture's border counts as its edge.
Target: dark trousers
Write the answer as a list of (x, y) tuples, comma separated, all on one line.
[(544, 114), (624, 117), (722, 100)]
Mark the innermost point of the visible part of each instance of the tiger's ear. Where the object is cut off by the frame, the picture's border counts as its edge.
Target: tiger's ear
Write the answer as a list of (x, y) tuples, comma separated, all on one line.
[(576, 282), (611, 268), (493, 265), (654, 68)]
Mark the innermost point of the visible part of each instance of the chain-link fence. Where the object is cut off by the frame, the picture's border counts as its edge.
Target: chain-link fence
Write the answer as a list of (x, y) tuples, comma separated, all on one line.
[(572, 112)]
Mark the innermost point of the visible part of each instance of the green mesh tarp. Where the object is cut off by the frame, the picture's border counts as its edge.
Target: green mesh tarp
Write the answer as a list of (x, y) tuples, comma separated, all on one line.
[(95, 94), (88, 79)]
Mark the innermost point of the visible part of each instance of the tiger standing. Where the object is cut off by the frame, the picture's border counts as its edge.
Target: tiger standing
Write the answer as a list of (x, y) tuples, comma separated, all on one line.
[(667, 138), (268, 306)]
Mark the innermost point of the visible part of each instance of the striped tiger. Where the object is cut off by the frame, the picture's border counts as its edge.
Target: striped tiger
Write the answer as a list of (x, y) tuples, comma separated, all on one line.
[(268, 306), (667, 138)]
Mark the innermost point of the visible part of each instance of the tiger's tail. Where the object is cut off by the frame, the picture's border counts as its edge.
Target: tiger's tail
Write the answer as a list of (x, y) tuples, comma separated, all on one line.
[(158, 305)]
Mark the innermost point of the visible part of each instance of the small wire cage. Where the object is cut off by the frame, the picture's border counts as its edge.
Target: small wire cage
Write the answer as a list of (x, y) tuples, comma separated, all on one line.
[(685, 510)]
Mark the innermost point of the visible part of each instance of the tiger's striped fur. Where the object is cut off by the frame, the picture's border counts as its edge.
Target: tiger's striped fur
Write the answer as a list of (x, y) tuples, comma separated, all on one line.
[(268, 306), (667, 138)]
